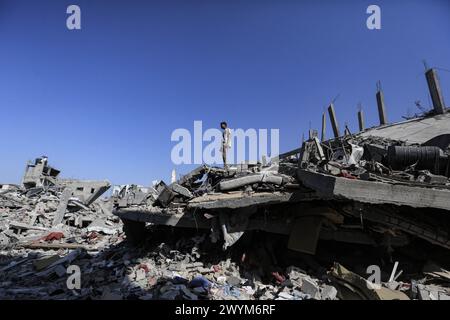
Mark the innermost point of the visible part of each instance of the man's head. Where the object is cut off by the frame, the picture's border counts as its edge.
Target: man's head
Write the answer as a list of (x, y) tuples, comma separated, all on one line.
[(223, 125)]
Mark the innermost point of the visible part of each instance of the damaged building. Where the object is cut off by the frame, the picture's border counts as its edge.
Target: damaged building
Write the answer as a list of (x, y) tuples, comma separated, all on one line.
[(383, 187), (307, 224), (39, 176)]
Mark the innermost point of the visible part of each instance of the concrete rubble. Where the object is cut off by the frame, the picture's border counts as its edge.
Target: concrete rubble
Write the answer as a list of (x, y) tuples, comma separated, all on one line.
[(36, 249), (201, 237), (361, 216), (385, 187)]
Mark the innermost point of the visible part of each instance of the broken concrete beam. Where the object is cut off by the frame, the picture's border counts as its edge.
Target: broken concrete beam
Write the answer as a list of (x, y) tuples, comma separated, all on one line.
[(241, 199), (86, 191), (311, 288), (249, 179), (78, 204), (375, 192), (361, 120), (328, 292), (319, 148), (324, 125), (381, 107), (165, 196), (181, 190), (192, 176), (21, 225), (334, 122), (62, 207), (43, 245), (99, 225)]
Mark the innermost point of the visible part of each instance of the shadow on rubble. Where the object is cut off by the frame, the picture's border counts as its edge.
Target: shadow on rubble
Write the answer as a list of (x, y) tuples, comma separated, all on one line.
[(126, 271), (172, 256), (259, 256)]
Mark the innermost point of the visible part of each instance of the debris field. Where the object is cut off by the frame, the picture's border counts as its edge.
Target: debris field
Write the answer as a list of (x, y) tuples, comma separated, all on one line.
[(360, 216)]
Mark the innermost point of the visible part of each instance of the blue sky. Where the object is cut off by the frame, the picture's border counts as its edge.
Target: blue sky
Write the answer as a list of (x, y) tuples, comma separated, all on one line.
[(102, 102)]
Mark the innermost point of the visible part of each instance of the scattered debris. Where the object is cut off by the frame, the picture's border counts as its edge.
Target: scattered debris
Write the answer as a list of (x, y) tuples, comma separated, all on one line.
[(269, 230)]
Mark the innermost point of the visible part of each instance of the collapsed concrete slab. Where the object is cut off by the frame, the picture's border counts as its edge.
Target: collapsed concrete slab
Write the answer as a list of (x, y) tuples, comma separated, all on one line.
[(375, 168), (414, 195)]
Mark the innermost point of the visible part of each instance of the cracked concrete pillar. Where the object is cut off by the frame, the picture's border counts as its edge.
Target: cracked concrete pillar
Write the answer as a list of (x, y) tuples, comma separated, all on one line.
[(361, 120), (381, 107), (324, 123), (435, 91), (333, 120)]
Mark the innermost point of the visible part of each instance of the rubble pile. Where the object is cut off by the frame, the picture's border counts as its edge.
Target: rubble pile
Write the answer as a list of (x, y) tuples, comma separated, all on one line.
[(178, 269), (46, 208), (185, 267), (207, 180), (28, 218), (378, 159), (360, 216), (369, 189), (45, 224)]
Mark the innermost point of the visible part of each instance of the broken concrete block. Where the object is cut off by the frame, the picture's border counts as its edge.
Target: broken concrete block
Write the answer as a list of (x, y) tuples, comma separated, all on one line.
[(298, 295), (233, 281), (62, 207), (295, 273), (4, 240), (99, 225), (181, 190), (140, 274), (221, 280), (311, 288), (443, 296), (250, 179), (165, 196), (328, 292)]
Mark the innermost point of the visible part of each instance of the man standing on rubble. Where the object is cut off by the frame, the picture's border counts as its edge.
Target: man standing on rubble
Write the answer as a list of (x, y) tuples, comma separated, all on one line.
[(226, 142)]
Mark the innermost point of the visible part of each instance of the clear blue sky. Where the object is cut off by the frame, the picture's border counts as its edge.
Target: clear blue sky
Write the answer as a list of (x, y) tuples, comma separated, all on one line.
[(102, 102)]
